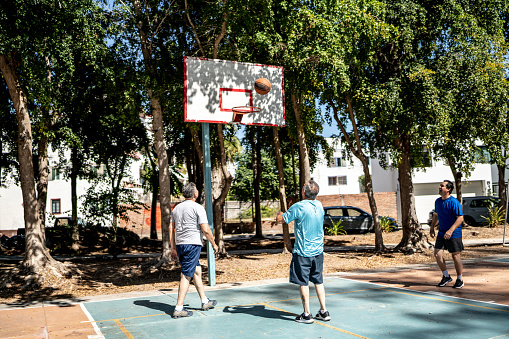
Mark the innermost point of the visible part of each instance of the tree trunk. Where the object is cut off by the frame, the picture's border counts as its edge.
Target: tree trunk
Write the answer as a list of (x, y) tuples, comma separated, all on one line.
[(42, 183), (356, 150), (199, 166), (413, 237), (159, 143), (282, 192), (75, 236), (218, 203), (294, 174), (153, 208), (502, 192), (257, 177), (457, 179), (36, 253), (379, 241), (305, 174)]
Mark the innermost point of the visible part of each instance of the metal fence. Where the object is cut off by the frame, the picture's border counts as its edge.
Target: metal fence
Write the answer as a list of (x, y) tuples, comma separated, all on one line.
[(239, 211)]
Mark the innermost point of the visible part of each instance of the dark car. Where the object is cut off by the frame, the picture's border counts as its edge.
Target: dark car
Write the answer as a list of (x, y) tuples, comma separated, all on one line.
[(353, 219)]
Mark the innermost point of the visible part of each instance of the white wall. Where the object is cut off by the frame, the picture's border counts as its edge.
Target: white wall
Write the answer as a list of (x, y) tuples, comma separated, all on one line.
[(11, 208), (352, 171), (426, 184), (11, 199)]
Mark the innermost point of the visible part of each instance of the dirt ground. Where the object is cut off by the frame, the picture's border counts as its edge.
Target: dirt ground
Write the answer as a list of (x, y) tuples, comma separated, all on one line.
[(102, 275)]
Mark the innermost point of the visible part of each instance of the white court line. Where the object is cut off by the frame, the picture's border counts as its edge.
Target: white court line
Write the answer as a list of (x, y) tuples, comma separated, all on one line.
[(98, 332), (430, 292)]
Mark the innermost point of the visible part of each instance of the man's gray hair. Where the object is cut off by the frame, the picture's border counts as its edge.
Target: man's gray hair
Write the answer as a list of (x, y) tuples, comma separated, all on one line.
[(311, 189), (188, 190)]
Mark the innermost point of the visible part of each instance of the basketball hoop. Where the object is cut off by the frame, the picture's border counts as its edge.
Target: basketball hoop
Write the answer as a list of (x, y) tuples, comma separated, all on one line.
[(239, 111)]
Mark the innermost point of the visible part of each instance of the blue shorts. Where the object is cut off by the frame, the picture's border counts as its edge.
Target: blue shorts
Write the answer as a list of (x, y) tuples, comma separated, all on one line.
[(306, 269), (189, 258)]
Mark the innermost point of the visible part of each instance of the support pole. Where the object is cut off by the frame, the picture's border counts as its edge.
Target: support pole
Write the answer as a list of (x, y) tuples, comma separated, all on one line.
[(208, 199)]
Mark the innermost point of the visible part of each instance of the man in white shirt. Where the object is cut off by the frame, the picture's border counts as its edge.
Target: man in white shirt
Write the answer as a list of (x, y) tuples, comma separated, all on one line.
[(188, 226)]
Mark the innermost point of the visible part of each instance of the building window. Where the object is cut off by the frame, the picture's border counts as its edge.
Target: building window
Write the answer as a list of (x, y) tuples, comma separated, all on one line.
[(422, 161), (55, 174), (482, 156), (55, 206), (335, 181), (337, 162)]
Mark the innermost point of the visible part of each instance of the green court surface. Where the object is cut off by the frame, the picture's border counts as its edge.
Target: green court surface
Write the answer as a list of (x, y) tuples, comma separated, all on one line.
[(358, 309)]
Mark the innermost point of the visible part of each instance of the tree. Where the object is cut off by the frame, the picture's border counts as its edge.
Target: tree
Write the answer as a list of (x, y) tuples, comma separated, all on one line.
[(405, 102), (36, 40), (146, 24), (351, 33)]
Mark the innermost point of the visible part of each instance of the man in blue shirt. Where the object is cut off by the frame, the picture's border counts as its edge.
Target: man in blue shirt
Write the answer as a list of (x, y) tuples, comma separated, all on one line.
[(449, 215), (307, 260)]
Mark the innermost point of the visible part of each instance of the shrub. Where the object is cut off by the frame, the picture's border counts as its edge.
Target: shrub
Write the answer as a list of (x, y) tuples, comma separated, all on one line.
[(495, 217), (336, 228), (386, 224)]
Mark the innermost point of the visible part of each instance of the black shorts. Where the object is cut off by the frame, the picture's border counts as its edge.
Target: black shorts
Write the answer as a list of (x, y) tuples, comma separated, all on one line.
[(452, 245), (305, 269)]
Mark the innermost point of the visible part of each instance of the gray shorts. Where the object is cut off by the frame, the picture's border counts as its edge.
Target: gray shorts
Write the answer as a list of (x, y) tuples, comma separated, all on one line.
[(305, 269), (452, 245)]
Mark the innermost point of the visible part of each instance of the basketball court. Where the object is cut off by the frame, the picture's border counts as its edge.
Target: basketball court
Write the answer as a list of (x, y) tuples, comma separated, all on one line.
[(397, 303)]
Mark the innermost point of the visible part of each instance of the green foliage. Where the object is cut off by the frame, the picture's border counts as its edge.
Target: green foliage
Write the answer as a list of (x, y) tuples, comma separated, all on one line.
[(336, 228), (242, 187), (386, 224), (496, 215), (266, 212)]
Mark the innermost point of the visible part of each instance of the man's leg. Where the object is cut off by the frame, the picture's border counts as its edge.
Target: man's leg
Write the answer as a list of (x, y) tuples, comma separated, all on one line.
[(198, 283), (458, 265), (320, 292), (439, 256), (456, 257), (206, 303), (304, 295), (446, 278), (183, 287)]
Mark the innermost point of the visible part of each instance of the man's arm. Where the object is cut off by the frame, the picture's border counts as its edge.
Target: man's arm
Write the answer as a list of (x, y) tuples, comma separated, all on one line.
[(434, 221), (173, 244), (209, 236), (279, 218), (454, 226)]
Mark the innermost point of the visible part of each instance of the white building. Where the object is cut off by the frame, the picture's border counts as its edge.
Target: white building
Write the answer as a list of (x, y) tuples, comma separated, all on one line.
[(59, 195), (337, 176)]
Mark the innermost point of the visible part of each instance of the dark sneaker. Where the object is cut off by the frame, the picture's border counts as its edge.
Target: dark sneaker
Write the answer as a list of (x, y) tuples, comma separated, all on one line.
[(323, 315), (306, 319), (209, 305), (182, 314), (458, 284), (445, 280)]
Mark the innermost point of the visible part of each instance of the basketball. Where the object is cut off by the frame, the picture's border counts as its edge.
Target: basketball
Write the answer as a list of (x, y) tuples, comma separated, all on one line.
[(262, 86)]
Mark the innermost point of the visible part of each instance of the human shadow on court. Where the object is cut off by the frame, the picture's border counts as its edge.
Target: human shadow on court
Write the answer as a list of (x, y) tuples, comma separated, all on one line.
[(260, 311), (168, 309)]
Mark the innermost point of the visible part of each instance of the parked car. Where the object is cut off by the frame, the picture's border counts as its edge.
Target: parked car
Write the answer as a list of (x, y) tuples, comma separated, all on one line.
[(66, 221), (474, 208), (353, 219), (430, 216)]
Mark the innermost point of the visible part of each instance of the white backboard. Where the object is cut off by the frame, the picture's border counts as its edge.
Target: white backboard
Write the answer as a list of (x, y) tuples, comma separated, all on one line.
[(212, 87)]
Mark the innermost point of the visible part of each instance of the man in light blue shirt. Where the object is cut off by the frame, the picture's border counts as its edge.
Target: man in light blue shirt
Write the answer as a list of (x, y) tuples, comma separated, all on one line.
[(307, 260)]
